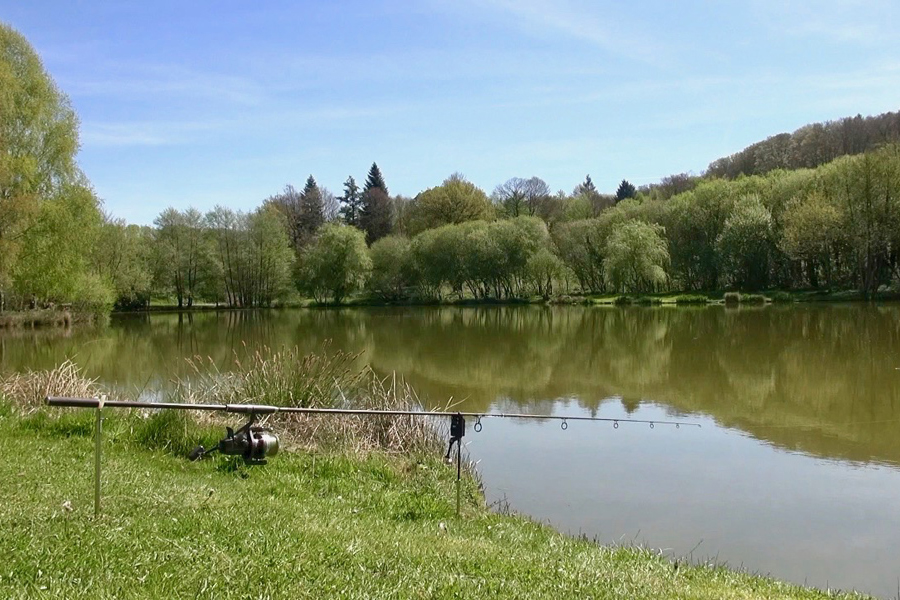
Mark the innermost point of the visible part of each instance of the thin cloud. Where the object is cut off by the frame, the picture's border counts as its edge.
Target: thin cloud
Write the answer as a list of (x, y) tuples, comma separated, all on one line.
[(612, 35), (848, 21)]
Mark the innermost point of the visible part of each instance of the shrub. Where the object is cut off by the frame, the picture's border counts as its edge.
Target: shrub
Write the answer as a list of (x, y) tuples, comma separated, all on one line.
[(691, 299)]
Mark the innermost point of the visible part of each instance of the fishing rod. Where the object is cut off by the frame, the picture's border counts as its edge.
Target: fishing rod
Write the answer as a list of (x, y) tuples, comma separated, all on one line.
[(256, 443)]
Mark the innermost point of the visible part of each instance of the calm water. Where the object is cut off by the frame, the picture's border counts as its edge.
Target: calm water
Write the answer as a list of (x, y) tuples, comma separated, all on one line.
[(795, 472)]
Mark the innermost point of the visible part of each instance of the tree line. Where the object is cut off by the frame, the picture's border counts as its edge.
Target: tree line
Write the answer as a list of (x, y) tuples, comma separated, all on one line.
[(834, 226)]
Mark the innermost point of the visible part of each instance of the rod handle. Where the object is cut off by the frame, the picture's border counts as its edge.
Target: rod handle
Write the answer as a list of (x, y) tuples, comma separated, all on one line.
[(73, 402)]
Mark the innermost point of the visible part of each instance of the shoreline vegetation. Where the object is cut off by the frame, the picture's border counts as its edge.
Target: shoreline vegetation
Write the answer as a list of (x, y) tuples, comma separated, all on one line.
[(65, 318), (351, 508), (50, 318)]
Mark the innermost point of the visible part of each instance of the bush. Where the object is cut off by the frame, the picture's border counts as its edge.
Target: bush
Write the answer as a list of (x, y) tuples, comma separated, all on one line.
[(782, 297), (691, 299), (753, 299), (732, 298)]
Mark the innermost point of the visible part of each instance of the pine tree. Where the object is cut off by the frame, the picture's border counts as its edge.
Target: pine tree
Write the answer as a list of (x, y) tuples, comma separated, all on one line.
[(351, 202), (626, 190), (376, 214), (588, 185), (312, 215), (375, 180)]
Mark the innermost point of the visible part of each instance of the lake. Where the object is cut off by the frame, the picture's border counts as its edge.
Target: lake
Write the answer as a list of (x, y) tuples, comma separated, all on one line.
[(794, 473)]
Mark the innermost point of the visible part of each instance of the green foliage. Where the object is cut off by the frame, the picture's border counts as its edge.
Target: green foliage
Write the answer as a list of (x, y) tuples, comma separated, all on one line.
[(811, 145), (252, 256), (183, 258), (732, 298), (745, 244), (122, 256), (311, 214), (691, 299), (351, 203), (813, 233), (454, 201), (55, 263), (376, 217), (335, 264), (636, 257), (375, 180), (625, 190), (581, 246), (393, 273), (439, 260), (542, 270), (38, 143)]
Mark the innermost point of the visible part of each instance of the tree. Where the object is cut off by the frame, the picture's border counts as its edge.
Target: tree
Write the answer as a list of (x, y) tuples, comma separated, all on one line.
[(335, 264), (38, 143), (542, 269), (454, 201), (812, 233), (183, 254), (289, 203), (121, 257), (626, 190), (311, 215), (351, 203), (520, 197), (393, 273), (375, 180), (331, 208), (588, 192), (376, 217), (745, 244), (586, 187), (510, 196), (636, 257), (57, 248), (270, 258)]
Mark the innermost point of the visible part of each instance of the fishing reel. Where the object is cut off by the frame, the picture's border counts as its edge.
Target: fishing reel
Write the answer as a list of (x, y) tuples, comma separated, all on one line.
[(253, 442)]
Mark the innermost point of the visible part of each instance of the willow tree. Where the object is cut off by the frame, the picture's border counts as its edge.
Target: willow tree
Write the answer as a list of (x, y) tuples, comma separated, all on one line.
[(637, 257), (38, 143)]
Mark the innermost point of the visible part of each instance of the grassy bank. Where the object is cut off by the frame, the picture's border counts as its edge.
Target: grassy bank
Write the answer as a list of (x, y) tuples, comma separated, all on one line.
[(311, 524), (353, 508)]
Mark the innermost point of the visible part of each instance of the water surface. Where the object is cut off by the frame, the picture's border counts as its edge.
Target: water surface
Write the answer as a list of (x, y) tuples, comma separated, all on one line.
[(795, 472)]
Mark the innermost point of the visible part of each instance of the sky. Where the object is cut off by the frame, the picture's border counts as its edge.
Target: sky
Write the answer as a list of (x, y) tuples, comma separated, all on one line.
[(202, 103)]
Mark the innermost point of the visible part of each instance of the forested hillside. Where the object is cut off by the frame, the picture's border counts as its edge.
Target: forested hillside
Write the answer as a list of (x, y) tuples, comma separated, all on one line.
[(810, 146)]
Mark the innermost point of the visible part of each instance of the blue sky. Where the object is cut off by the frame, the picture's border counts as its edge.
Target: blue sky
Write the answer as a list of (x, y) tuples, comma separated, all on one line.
[(201, 103)]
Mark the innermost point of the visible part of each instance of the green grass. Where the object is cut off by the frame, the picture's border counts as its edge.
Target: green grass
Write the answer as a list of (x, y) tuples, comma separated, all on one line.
[(308, 525)]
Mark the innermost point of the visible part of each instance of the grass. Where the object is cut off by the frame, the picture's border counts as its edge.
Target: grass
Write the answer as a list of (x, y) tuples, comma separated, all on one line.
[(354, 509), (311, 524)]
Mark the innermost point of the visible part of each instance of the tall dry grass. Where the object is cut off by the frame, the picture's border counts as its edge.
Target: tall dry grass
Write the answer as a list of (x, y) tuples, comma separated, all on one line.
[(27, 390), (365, 433), (287, 377), (277, 377)]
